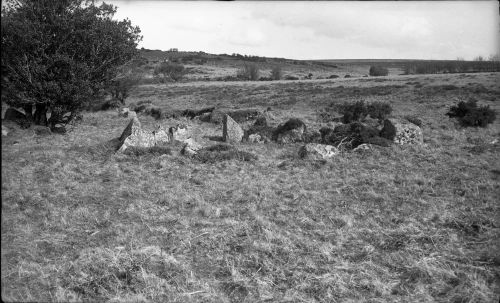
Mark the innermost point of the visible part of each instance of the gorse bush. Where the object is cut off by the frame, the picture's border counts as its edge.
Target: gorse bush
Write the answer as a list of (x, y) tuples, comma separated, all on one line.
[(378, 71), (359, 110), (276, 73), (170, 70), (469, 114), (57, 55), (249, 72)]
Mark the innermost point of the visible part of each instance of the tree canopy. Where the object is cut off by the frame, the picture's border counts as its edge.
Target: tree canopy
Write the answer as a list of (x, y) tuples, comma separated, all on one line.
[(57, 55)]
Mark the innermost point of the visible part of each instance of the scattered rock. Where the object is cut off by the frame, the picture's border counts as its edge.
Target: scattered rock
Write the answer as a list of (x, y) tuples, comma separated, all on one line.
[(316, 151), (41, 130), (231, 130), (59, 129), (191, 147), (179, 132), (292, 131), (123, 112), (255, 138), (402, 132), (5, 131)]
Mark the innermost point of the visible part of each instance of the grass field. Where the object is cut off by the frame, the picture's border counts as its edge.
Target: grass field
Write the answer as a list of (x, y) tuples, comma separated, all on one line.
[(398, 224)]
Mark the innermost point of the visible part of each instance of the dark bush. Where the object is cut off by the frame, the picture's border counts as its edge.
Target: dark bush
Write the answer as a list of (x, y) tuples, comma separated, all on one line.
[(347, 76), (469, 114), (170, 70), (121, 86), (353, 111), (414, 120), (333, 77), (378, 71), (276, 73), (249, 72), (291, 78), (359, 110), (379, 110)]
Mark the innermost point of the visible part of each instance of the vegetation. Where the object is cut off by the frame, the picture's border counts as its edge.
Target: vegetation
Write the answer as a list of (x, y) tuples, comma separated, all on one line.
[(359, 110), (469, 114), (81, 223), (457, 66), (57, 55), (169, 71), (249, 72), (378, 71), (276, 73)]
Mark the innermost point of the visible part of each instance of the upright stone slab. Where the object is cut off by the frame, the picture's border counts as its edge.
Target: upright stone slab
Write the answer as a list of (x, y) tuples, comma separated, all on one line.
[(231, 130)]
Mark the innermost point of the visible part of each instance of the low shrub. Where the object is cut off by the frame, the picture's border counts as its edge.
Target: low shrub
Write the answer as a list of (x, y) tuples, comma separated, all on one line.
[(291, 78), (359, 110), (379, 110), (333, 77), (169, 70), (469, 114), (415, 120), (378, 71), (249, 72)]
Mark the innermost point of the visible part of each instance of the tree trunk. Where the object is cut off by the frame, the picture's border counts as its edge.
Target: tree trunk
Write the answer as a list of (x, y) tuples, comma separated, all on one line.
[(28, 109), (40, 117)]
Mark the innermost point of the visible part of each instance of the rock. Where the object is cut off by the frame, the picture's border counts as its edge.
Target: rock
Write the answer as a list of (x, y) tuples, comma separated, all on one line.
[(59, 129), (231, 130), (179, 132), (131, 114), (134, 136), (362, 147), (133, 126), (292, 131), (41, 130), (191, 147), (123, 112), (161, 135), (402, 132), (255, 138), (317, 151), (12, 114), (5, 131)]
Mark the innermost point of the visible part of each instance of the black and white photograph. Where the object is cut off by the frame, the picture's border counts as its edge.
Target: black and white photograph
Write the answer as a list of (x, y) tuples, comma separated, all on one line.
[(250, 151)]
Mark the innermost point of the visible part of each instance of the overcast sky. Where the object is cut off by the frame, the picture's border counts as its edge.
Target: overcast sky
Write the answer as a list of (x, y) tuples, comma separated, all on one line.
[(320, 30)]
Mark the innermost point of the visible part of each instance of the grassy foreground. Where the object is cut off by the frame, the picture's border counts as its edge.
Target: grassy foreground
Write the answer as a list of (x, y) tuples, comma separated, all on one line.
[(401, 224)]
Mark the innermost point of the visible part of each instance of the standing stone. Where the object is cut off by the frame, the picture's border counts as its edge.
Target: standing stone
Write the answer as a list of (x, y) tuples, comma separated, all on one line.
[(133, 127), (231, 130), (317, 151), (402, 132)]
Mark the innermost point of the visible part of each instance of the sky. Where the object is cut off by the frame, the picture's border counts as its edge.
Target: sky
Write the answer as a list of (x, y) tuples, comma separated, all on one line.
[(320, 29)]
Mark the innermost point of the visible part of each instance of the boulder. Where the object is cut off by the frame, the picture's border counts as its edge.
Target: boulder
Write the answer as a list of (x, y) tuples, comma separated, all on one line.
[(191, 147), (131, 114), (255, 138), (231, 130), (123, 112), (5, 131), (291, 131), (317, 151), (402, 132), (161, 135), (134, 136), (179, 132)]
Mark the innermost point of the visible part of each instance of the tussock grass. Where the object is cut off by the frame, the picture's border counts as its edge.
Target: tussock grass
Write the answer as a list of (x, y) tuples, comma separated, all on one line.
[(399, 224)]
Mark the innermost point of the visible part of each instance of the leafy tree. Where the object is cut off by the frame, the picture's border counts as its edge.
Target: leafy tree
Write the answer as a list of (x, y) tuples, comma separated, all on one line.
[(170, 70), (57, 55)]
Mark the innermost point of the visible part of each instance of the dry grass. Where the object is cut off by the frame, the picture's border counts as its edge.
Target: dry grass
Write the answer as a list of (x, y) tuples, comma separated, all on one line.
[(401, 224)]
